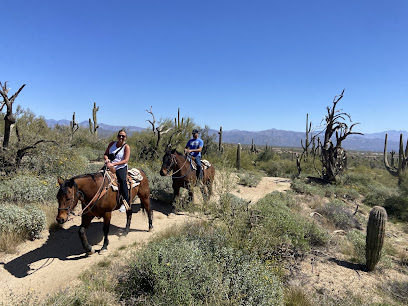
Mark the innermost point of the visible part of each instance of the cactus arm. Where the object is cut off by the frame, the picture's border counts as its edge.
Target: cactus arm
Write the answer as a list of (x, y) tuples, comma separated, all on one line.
[(391, 170)]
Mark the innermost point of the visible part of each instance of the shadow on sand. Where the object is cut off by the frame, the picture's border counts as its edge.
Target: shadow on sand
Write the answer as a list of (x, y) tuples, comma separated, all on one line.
[(64, 244), (348, 265)]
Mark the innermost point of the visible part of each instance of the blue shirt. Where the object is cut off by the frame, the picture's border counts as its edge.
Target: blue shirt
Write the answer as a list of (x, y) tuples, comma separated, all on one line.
[(195, 144)]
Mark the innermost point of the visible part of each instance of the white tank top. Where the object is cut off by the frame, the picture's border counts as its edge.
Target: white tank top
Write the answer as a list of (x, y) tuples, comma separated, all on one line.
[(119, 157)]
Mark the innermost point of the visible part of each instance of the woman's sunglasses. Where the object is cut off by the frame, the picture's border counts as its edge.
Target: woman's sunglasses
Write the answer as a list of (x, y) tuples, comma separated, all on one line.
[(121, 136)]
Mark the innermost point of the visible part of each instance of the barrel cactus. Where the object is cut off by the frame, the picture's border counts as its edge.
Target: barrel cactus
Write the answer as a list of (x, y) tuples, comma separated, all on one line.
[(375, 236)]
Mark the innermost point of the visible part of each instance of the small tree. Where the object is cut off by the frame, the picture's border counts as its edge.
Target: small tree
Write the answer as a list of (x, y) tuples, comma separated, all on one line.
[(9, 118)]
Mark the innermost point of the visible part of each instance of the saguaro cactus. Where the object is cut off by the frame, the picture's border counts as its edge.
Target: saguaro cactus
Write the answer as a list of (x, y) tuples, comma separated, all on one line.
[(93, 127), (220, 140), (375, 236), (402, 160), (307, 142), (74, 125), (239, 156)]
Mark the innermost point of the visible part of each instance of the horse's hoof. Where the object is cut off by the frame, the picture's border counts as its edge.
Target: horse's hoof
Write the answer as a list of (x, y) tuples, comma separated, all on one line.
[(103, 251), (91, 252)]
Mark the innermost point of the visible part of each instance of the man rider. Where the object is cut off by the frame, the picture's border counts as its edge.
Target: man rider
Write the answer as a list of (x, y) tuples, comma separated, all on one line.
[(194, 147)]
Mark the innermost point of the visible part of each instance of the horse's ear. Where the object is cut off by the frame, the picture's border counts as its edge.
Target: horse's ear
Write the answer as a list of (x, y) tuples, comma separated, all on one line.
[(60, 181)]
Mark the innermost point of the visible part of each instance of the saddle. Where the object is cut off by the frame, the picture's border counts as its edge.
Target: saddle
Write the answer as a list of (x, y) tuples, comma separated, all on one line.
[(133, 179), (205, 164)]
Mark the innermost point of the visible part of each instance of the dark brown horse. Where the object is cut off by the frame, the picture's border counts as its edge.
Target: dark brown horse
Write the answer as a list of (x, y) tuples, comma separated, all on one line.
[(184, 175), (98, 200)]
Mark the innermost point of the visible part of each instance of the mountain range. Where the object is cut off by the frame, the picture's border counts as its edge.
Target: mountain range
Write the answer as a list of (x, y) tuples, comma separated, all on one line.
[(373, 142)]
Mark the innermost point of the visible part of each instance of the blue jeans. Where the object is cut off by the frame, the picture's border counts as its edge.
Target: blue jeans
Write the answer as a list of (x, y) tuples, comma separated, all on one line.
[(123, 189), (199, 168)]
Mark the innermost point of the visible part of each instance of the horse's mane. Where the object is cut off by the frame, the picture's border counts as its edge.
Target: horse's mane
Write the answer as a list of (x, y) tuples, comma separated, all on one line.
[(71, 181)]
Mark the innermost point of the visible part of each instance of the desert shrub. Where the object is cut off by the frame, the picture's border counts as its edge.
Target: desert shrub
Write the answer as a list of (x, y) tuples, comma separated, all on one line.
[(279, 228), (27, 221), (304, 187), (337, 212), (160, 186), (198, 270), (27, 188), (398, 290), (90, 154), (249, 178), (266, 155), (377, 195), (280, 168), (397, 207), (358, 240)]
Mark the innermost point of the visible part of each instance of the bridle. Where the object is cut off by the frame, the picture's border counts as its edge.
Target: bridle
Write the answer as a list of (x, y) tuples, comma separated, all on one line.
[(173, 163), (99, 194)]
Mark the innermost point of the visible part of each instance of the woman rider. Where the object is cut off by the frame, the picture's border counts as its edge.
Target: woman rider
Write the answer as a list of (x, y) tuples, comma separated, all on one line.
[(117, 156)]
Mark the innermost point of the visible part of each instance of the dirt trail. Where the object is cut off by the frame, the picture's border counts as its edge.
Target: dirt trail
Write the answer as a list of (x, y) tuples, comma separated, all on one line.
[(46, 265)]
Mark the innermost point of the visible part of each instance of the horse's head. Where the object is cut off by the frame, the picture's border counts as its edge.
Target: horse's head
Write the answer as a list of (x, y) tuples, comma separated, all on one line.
[(168, 161), (67, 197)]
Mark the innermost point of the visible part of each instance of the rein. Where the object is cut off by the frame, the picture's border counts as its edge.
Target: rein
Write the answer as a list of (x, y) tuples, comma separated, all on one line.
[(177, 177), (99, 194)]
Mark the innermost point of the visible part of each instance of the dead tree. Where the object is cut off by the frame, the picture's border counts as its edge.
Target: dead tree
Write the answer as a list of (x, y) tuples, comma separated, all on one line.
[(333, 156), (307, 141), (153, 121), (9, 119)]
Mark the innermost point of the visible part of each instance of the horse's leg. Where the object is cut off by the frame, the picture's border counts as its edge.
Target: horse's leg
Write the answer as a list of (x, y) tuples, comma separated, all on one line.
[(176, 190), (145, 201), (86, 220), (106, 225)]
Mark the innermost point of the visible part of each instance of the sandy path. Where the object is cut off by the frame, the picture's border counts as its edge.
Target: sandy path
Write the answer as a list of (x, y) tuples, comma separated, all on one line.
[(49, 264), (265, 186)]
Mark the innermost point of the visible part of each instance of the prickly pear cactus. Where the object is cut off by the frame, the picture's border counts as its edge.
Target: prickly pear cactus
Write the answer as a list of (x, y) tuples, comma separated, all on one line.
[(375, 236)]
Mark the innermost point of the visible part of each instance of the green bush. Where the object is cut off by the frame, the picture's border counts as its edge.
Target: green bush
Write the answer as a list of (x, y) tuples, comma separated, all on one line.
[(279, 168), (279, 228), (27, 221), (304, 187), (26, 188), (198, 270), (397, 207), (250, 179), (160, 186), (337, 212), (358, 240)]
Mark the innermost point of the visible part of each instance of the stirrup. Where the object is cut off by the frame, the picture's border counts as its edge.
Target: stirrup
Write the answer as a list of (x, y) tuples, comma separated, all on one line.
[(127, 206)]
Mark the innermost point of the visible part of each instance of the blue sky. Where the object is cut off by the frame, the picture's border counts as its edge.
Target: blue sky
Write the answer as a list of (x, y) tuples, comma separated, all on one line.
[(249, 65)]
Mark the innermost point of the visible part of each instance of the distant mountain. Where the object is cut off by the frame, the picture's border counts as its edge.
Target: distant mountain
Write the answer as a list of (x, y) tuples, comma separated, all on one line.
[(277, 138), (104, 130)]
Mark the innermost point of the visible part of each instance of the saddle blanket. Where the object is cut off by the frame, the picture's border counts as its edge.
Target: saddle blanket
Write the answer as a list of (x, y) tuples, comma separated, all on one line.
[(204, 163), (134, 177)]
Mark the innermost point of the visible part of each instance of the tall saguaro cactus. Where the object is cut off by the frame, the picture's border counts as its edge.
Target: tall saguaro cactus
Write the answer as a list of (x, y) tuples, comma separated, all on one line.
[(220, 140), (375, 236), (402, 160), (93, 127), (239, 156), (74, 125), (9, 119), (307, 141)]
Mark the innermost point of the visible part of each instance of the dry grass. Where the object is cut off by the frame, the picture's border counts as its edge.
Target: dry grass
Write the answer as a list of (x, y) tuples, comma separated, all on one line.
[(295, 296), (9, 241)]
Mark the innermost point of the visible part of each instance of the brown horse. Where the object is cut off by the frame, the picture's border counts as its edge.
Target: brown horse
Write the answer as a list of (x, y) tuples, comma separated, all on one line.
[(184, 175), (98, 200)]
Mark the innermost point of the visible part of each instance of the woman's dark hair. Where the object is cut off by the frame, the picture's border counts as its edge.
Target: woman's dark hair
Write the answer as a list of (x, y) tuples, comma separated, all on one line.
[(122, 130)]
